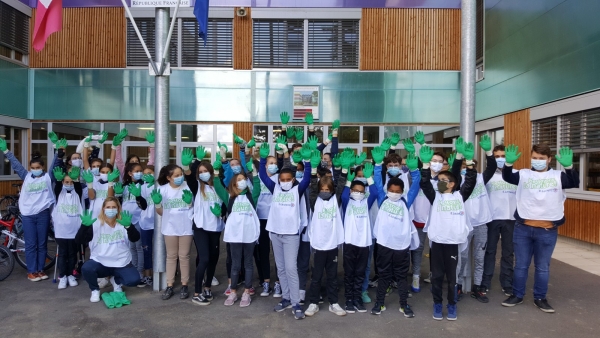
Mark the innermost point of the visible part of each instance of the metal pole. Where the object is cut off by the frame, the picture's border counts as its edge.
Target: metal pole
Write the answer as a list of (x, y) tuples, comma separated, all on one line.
[(161, 128), (467, 90)]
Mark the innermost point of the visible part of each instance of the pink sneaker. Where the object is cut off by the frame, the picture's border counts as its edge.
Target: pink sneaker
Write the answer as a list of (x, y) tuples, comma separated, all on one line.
[(246, 300), (231, 299), (251, 291), (227, 291)]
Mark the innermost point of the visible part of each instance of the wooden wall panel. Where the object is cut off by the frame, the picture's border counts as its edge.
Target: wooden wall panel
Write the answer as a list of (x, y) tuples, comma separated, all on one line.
[(517, 130), (6, 187), (242, 40), (90, 38), (582, 221), (243, 130), (410, 39)]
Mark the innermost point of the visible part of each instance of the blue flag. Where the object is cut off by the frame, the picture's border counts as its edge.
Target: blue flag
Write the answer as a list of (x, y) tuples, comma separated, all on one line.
[(201, 14)]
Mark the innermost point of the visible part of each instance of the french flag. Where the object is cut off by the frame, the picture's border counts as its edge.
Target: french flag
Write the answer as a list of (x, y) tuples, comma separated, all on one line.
[(48, 19)]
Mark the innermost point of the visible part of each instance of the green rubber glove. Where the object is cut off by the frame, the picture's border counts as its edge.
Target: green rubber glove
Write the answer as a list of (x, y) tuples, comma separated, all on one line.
[(315, 159), (125, 218), (451, 159), (217, 164), (108, 300), (420, 137), (74, 173), (378, 154), (309, 119), (187, 156), (512, 154), (460, 145), (285, 118), (409, 146), (335, 124), (222, 146), (86, 218), (300, 134), (61, 144), (53, 137), (297, 156), (3, 146), (412, 162), (313, 141), (351, 176), (349, 151), (360, 158), (238, 140), (118, 188), (120, 296), (117, 140), (88, 177), (149, 179), (565, 157), (150, 136), (306, 152), (134, 189), (337, 161), (290, 132), (348, 160), (113, 175), (58, 173), (426, 154), (485, 143), (156, 196), (280, 140), (469, 151), (104, 137), (200, 152), (89, 138), (330, 137), (187, 196), (251, 144), (395, 139), (368, 170), (386, 144), (265, 150), (216, 210), (250, 166)]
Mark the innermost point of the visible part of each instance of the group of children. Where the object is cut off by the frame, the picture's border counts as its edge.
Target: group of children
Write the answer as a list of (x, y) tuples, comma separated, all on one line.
[(300, 202)]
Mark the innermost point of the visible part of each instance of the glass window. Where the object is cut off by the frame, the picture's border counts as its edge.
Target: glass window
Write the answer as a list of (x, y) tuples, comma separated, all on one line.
[(403, 131), (498, 137), (42, 149), (75, 131), (6, 134), (260, 133), (349, 134), (39, 131), (197, 132), (318, 133), (112, 129), (17, 144), (225, 133), (137, 131), (370, 135), (368, 151), (440, 134), (592, 178)]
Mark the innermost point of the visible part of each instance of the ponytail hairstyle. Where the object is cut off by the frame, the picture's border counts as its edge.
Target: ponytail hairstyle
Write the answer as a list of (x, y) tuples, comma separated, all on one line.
[(166, 171), (129, 167), (209, 168), (102, 217), (233, 189), (36, 157)]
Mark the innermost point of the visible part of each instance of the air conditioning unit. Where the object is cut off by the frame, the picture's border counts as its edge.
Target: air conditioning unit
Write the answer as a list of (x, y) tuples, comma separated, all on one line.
[(241, 11), (479, 73)]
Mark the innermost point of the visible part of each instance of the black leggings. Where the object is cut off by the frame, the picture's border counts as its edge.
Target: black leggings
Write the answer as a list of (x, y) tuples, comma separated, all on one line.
[(262, 253), (67, 256), (207, 246), (444, 258), (241, 252)]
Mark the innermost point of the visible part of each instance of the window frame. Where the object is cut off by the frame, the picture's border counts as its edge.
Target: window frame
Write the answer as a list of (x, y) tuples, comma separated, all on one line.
[(19, 126)]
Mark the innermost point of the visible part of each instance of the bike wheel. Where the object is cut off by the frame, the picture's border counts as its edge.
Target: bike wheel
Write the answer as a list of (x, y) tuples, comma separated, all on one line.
[(7, 262), (5, 202), (18, 249)]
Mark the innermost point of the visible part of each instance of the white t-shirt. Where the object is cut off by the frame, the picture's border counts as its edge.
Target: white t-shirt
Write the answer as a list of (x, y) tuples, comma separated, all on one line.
[(263, 206), (284, 216), (65, 215), (36, 194), (110, 246), (477, 206), (101, 190), (147, 216), (540, 195), (357, 223), (203, 217), (326, 230), (503, 197), (130, 205), (447, 223), (242, 224), (393, 227), (177, 215)]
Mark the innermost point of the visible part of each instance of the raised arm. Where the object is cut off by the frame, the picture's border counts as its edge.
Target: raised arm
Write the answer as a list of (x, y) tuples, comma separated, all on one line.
[(414, 188), (219, 188), (490, 168), (470, 181), (262, 172), (15, 164), (313, 191), (304, 183)]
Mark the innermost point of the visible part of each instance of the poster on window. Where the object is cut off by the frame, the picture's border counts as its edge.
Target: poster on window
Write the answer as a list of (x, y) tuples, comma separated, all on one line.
[(159, 3), (306, 100)]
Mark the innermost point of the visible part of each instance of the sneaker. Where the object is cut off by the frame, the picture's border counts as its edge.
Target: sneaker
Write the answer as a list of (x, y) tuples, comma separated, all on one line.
[(350, 307), (42, 275), (277, 290), (284, 304), (458, 292), (184, 293), (437, 311), (395, 284), (246, 300), (62, 283), (266, 290), (228, 290), (168, 293), (231, 299), (543, 305), (297, 311), (479, 294), (377, 309), (149, 281), (451, 312), (428, 279), (72, 281), (214, 281), (251, 291), (95, 298), (200, 300), (142, 283), (116, 287), (389, 290), (102, 283), (373, 282), (33, 277), (302, 296), (415, 287), (359, 306), (312, 309), (365, 297), (207, 294), (507, 292), (408, 312), (512, 301)]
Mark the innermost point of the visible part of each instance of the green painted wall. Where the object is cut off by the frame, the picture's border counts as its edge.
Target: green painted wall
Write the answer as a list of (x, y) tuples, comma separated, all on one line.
[(538, 51), (13, 89)]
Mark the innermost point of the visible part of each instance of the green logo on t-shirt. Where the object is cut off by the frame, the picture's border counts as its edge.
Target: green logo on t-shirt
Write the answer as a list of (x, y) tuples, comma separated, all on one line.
[(501, 186), (393, 209), (357, 210), (541, 183), (174, 203), (449, 205), (327, 213), (69, 209), (284, 197), (241, 207), (478, 191), (101, 194), (36, 187), (110, 238)]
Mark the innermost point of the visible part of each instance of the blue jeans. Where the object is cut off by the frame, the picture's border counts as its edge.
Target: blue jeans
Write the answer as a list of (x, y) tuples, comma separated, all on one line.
[(35, 233), (147, 237), (537, 242), (92, 270)]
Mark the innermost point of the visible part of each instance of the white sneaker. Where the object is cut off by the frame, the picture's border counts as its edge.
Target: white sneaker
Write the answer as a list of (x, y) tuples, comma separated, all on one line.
[(102, 283), (428, 279), (116, 287), (62, 283), (337, 309), (72, 281), (95, 298), (312, 309), (214, 281), (277, 290), (416, 287)]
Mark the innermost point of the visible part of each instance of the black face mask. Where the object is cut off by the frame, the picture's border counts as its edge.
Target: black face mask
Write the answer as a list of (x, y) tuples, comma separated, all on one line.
[(325, 195), (442, 186)]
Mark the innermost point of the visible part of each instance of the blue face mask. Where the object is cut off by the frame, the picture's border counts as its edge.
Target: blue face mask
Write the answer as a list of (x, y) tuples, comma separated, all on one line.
[(95, 171), (204, 177), (538, 164), (110, 213), (138, 176), (178, 180), (394, 171), (68, 187), (361, 179), (299, 175), (463, 172), (236, 169), (500, 161), (37, 172), (272, 168)]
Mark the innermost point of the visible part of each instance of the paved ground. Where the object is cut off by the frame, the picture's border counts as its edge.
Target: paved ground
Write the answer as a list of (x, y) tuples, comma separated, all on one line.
[(39, 309)]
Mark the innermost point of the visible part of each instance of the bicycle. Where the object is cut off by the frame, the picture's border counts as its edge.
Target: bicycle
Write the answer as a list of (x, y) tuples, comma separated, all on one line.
[(7, 262), (9, 200)]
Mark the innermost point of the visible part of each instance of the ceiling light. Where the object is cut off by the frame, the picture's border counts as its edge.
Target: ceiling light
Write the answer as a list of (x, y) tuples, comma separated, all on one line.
[(146, 128)]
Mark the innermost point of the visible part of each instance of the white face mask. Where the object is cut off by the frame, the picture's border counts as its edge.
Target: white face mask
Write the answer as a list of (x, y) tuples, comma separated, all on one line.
[(77, 163), (539, 164), (394, 196), (436, 166), (242, 184), (500, 161), (104, 177), (357, 196), (286, 185)]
